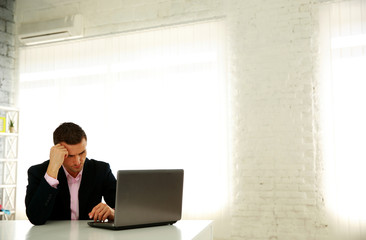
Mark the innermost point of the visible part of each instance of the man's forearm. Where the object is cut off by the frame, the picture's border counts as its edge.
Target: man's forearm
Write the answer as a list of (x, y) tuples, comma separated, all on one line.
[(40, 203)]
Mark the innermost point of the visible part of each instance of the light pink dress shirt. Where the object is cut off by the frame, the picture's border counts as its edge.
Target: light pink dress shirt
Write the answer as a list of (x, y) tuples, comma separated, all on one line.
[(74, 184)]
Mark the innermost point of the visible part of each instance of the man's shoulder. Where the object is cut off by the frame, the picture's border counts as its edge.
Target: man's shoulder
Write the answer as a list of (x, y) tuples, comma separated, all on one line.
[(97, 164), (96, 168), (38, 169), (40, 166)]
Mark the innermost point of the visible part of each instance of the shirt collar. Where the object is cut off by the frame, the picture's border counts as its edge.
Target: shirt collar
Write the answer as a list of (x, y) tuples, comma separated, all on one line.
[(71, 178)]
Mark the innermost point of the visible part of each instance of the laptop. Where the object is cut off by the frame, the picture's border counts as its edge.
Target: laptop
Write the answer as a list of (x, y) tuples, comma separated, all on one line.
[(146, 198)]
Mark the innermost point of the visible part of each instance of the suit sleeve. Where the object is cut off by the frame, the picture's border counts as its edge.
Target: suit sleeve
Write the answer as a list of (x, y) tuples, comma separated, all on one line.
[(40, 197), (109, 193)]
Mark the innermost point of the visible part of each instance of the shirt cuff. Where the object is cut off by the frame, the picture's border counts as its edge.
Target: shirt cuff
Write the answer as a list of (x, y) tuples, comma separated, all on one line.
[(51, 181)]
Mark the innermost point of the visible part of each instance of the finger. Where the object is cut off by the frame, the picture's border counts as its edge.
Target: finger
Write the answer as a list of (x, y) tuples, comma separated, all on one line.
[(96, 215), (59, 146), (59, 149), (111, 214), (92, 213), (63, 149), (95, 218), (101, 213), (98, 212), (106, 213)]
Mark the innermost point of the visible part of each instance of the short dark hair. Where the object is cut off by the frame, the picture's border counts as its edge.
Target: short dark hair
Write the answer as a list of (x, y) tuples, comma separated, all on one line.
[(68, 132)]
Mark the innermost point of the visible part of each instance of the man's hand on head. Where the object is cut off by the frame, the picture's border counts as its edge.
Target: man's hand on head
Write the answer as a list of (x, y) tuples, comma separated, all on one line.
[(58, 153), (101, 212)]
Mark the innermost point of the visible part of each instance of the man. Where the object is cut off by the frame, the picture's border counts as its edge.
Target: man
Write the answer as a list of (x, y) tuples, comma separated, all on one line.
[(69, 185)]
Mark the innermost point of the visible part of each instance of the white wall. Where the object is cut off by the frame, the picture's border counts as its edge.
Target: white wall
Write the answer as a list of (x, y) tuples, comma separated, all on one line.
[(276, 169), (7, 53), (276, 181)]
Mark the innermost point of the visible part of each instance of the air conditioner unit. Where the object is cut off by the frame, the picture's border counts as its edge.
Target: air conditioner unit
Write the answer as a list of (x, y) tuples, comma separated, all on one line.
[(51, 30)]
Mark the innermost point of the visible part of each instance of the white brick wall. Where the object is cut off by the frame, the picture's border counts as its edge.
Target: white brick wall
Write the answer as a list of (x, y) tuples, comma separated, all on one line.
[(276, 176), (276, 195), (7, 52)]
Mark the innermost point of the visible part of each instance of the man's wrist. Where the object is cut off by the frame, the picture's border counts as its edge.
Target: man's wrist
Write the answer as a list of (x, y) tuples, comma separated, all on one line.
[(52, 171), (53, 182)]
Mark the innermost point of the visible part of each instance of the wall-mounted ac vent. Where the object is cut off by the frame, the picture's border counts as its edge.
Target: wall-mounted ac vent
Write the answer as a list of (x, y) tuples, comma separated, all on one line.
[(52, 30)]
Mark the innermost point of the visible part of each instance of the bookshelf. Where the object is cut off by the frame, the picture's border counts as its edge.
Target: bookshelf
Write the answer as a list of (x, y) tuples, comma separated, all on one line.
[(8, 160)]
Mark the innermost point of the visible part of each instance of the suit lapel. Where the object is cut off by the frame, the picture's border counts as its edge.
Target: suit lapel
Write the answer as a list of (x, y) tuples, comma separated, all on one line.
[(64, 189), (84, 190)]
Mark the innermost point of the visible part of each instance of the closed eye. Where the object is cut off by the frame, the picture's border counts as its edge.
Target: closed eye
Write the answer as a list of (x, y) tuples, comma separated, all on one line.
[(71, 156)]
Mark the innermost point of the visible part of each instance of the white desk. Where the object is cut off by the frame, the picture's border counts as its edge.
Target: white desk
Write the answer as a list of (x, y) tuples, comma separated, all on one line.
[(79, 230)]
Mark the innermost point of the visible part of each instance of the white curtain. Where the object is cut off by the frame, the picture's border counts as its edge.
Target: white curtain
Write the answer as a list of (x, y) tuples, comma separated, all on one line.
[(146, 99), (343, 107)]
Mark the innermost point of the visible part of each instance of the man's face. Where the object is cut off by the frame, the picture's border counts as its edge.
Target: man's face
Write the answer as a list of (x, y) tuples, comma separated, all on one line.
[(74, 162)]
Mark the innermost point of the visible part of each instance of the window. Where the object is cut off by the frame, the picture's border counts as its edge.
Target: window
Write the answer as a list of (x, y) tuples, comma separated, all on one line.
[(146, 99), (343, 48)]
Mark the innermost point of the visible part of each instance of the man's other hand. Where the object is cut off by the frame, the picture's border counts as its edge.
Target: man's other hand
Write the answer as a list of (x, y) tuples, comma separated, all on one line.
[(101, 212)]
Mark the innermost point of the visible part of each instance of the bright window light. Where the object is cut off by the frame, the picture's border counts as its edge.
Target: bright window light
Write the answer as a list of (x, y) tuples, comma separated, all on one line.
[(343, 116), (147, 99)]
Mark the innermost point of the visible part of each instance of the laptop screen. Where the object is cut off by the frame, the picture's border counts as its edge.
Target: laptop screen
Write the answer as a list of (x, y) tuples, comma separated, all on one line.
[(146, 197)]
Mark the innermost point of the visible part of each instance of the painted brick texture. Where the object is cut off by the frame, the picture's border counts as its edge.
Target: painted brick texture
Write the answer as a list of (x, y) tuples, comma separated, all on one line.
[(275, 186), (7, 52), (276, 192)]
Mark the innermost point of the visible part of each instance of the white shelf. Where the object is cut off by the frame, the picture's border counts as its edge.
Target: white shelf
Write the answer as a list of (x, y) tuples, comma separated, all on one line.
[(2, 213), (8, 134), (8, 186), (8, 160), (9, 153), (9, 109)]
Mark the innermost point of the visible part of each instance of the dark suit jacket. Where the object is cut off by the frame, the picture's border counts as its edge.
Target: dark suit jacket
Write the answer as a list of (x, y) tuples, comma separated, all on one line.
[(44, 202)]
